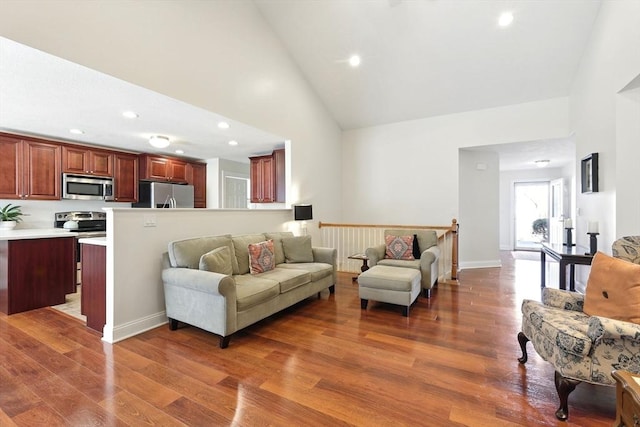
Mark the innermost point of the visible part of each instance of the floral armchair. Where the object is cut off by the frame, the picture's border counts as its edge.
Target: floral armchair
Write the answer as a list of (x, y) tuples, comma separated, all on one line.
[(583, 347)]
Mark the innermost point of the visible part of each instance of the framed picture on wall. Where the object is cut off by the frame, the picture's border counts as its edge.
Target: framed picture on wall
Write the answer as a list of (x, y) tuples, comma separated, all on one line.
[(589, 172)]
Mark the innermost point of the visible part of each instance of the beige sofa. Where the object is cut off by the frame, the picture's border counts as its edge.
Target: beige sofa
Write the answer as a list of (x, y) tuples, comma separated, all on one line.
[(225, 303), (427, 264)]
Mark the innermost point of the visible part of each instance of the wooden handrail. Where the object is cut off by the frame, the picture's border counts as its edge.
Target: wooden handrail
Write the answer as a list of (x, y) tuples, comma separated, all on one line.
[(418, 227)]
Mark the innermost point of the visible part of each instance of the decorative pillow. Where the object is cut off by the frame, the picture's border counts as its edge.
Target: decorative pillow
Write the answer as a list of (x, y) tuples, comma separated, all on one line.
[(217, 261), (613, 289), (399, 247), (297, 249), (261, 257), (416, 247)]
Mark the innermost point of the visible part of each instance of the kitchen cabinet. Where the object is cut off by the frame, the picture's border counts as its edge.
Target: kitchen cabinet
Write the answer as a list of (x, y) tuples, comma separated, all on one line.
[(268, 178), (29, 168), (94, 285), (197, 176), (86, 161), (36, 273), (159, 168), (262, 179), (125, 177)]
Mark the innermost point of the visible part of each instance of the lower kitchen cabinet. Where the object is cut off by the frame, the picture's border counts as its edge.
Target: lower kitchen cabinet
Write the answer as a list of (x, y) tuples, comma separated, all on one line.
[(94, 281)]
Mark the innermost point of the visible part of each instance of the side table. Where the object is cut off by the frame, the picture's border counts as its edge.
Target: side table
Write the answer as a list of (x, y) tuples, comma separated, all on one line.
[(627, 399), (365, 265)]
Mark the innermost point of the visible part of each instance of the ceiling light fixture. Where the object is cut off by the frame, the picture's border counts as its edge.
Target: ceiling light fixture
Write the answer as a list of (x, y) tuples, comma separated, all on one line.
[(354, 61), (233, 143), (76, 131), (159, 141), (179, 151), (506, 18), (130, 114), (223, 125), (541, 163)]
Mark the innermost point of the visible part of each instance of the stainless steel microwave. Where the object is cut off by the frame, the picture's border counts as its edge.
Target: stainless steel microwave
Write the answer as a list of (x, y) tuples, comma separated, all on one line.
[(86, 187)]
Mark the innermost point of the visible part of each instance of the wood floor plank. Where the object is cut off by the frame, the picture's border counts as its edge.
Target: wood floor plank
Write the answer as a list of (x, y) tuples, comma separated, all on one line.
[(452, 362)]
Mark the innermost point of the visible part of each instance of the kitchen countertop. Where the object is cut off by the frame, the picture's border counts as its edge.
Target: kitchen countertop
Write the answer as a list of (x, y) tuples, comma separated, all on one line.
[(98, 241), (35, 233)]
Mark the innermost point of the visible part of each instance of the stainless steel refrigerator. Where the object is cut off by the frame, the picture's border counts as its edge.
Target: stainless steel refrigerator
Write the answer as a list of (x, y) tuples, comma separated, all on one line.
[(164, 195)]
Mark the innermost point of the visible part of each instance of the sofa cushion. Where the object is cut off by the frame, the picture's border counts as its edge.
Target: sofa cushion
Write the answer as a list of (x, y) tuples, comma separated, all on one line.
[(399, 247), (254, 290), (261, 257), (288, 279), (297, 249), (567, 329), (217, 261), (400, 263), (613, 289), (318, 270), (277, 243), (186, 253), (241, 248)]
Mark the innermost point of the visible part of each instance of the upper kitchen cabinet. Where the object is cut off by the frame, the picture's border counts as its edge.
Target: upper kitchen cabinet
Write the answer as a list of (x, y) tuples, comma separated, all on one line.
[(87, 161), (29, 168), (158, 168), (125, 177), (197, 176), (268, 178)]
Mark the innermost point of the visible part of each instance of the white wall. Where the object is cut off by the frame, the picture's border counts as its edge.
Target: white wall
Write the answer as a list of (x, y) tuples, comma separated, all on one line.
[(407, 172), (217, 55), (610, 62)]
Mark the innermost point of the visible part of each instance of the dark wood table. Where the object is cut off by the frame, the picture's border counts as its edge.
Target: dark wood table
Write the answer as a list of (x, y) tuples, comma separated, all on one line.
[(566, 256), (365, 266)]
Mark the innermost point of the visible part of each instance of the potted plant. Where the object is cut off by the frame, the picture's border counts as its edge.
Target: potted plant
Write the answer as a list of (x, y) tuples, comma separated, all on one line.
[(10, 216)]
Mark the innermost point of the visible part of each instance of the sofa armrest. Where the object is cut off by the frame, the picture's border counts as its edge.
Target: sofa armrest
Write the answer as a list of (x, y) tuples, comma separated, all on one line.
[(565, 300), (199, 280), (375, 254), (327, 256), (604, 328), (429, 256)]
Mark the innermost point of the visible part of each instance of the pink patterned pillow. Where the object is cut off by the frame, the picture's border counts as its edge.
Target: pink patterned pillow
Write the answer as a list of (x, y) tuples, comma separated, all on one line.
[(399, 247), (261, 257)]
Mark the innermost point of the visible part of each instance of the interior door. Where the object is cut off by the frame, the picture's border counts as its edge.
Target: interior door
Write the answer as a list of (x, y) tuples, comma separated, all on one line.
[(556, 211), (235, 192)]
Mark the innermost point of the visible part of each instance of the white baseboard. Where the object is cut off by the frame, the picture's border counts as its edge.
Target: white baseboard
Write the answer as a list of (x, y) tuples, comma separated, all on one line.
[(480, 264), (135, 327)]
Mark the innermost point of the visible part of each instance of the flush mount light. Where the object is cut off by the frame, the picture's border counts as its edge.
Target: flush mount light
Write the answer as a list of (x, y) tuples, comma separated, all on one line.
[(179, 151), (541, 163), (76, 131), (354, 61), (223, 125), (159, 141), (506, 18), (130, 114), (233, 143)]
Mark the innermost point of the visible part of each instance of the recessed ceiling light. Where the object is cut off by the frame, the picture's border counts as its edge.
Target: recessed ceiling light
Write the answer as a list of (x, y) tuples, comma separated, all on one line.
[(130, 114), (179, 151), (506, 18), (159, 141), (354, 60), (223, 125), (541, 163), (76, 131), (233, 143)]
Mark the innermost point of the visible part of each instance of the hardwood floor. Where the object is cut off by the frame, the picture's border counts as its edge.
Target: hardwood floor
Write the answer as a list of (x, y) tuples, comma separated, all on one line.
[(452, 362)]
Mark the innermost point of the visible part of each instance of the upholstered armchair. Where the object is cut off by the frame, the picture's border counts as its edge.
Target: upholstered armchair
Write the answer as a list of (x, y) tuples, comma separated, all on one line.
[(426, 256), (586, 337)]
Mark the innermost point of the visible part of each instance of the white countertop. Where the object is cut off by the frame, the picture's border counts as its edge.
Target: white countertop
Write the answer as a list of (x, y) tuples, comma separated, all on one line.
[(34, 233), (98, 241)]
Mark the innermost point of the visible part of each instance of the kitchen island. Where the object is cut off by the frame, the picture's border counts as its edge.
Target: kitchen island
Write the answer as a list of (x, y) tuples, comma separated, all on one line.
[(94, 281), (37, 268)]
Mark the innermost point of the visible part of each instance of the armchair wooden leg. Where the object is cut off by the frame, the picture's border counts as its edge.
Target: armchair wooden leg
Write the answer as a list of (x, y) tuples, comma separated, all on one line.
[(523, 340), (564, 386), (405, 311), (427, 293), (332, 289), (224, 341), (364, 303), (173, 324)]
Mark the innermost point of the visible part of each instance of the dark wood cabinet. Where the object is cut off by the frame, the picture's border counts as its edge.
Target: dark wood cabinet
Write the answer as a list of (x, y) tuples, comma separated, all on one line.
[(36, 273), (158, 168), (125, 177), (29, 168), (262, 179), (197, 176), (94, 285), (86, 161), (268, 178)]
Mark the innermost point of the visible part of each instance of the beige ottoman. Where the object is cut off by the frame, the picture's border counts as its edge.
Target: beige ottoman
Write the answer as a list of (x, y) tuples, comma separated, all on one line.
[(393, 285)]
